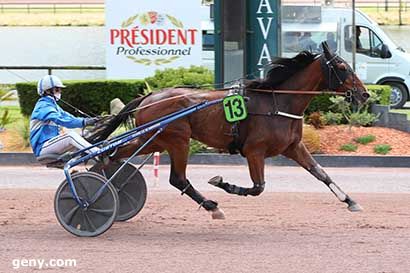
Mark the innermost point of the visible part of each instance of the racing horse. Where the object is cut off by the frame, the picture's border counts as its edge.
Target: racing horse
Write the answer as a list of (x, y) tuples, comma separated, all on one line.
[(274, 124)]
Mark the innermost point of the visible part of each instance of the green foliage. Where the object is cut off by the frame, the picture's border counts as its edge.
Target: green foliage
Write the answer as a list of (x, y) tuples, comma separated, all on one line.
[(379, 94), (357, 117), (5, 96), (14, 114), (193, 76), (382, 92), (382, 149), (349, 147), (362, 119), (90, 96), (319, 103), (5, 88), (333, 118), (24, 131), (196, 147), (4, 113), (365, 139), (4, 118)]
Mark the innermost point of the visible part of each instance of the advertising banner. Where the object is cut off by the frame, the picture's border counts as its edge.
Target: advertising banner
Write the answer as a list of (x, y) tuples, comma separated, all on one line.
[(144, 36)]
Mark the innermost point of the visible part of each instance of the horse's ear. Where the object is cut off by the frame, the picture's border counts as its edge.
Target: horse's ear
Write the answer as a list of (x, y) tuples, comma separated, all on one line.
[(326, 50)]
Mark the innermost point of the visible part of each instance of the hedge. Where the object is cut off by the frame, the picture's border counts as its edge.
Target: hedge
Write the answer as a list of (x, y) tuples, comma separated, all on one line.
[(92, 97), (322, 103), (383, 91), (193, 76)]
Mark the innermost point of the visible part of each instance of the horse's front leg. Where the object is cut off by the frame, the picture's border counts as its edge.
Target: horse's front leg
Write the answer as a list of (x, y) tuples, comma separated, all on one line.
[(301, 155), (256, 163), (179, 157)]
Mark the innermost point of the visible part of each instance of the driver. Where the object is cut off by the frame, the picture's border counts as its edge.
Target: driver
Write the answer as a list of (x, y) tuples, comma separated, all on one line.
[(47, 117)]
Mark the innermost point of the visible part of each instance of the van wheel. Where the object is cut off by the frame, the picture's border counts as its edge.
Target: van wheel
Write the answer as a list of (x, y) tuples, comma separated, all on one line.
[(398, 95)]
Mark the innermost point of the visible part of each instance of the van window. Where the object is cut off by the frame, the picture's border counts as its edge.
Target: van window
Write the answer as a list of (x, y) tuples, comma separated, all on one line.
[(296, 41), (208, 40), (367, 42)]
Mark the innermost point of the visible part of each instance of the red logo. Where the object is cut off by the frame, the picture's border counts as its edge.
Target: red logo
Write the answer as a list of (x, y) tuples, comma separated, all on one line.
[(153, 38)]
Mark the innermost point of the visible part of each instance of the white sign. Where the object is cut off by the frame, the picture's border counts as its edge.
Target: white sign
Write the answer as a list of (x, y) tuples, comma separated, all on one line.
[(144, 36)]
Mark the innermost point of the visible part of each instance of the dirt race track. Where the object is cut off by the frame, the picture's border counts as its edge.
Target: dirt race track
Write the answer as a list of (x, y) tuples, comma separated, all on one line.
[(276, 232)]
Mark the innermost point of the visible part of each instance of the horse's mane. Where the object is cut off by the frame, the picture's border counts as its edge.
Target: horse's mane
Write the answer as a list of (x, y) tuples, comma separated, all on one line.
[(282, 69)]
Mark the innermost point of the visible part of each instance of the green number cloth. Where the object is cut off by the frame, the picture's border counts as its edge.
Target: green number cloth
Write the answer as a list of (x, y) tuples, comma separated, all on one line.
[(235, 108)]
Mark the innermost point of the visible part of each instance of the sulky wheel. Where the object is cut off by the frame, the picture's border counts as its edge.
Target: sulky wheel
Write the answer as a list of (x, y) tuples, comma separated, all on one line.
[(98, 217), (130, 185)]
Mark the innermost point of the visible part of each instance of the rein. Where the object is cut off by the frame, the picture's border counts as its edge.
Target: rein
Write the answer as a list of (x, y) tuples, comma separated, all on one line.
[(291, 92), (276, 111), (295, 92), (155, 103)]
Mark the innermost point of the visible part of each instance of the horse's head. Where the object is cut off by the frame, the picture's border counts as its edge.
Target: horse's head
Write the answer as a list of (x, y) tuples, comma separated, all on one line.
[(340, 77)]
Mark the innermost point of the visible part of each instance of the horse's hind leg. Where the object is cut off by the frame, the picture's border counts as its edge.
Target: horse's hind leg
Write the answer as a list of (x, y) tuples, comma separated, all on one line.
[(301, 155), (256, 163), (179, 156)]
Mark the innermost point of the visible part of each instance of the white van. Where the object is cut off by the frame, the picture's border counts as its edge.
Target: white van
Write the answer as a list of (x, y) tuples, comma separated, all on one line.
[(208, 38), (378, 59)]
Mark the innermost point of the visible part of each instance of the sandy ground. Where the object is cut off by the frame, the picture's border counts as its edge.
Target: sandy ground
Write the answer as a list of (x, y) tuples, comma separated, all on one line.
[(275, 232)]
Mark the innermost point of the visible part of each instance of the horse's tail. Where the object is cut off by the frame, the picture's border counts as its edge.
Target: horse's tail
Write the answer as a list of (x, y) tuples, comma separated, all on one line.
[(103, 131)]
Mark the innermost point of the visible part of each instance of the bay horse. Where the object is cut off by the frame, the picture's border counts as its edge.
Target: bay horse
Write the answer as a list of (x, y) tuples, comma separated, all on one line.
[(274, 125)]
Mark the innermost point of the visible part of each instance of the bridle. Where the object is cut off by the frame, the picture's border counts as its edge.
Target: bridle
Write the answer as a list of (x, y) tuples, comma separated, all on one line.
[(336, 78)]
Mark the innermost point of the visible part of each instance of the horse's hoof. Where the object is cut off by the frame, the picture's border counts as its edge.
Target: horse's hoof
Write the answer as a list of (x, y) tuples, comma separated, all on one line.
[(215, 180), (355, 207), (217, 214)]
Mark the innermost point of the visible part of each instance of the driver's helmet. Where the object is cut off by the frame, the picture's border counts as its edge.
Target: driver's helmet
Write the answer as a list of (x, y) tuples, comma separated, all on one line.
[(48, 82)]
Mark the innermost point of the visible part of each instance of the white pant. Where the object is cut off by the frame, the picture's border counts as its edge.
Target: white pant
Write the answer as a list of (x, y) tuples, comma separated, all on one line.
[(70, 141)]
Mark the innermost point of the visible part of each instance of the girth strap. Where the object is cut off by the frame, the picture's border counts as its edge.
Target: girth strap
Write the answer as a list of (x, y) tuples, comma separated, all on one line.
[(235, 146)]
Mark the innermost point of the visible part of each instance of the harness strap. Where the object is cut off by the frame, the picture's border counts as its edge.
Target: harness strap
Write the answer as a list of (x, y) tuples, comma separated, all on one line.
[(295, 92), (276, 112), (235, 146), (279, 113), (186, 188)]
